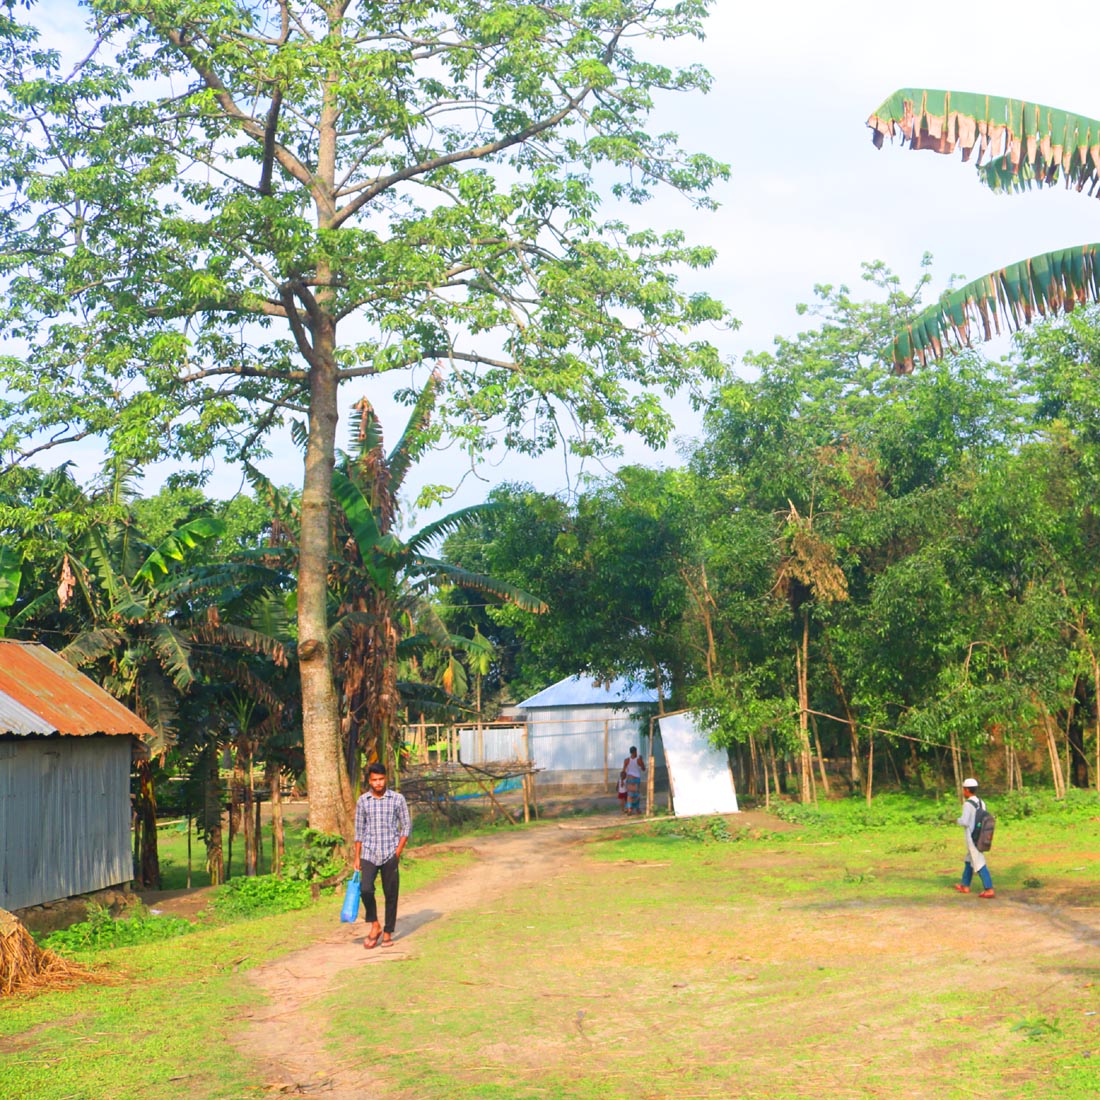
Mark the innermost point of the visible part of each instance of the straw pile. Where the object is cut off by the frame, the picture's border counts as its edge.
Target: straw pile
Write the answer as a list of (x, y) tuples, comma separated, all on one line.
[(26, 967)]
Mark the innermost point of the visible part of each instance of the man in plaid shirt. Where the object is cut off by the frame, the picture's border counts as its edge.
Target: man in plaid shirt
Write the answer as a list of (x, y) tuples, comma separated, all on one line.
[(382, 827)]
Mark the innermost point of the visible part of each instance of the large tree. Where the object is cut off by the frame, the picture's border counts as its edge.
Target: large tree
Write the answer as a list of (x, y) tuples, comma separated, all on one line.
[(229, 207), (1016, 145)]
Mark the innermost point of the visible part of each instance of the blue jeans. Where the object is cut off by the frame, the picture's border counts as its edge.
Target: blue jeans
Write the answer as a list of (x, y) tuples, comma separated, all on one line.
[(968, 874)]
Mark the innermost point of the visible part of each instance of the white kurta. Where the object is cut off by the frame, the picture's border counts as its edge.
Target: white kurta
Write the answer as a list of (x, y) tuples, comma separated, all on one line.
[(975, 858)]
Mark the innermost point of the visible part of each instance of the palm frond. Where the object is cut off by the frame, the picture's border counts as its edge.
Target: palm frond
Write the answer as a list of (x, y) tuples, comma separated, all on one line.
[(174, 653), (1005, 300), (365, 427), (364, 527), (98, 561), (416, 438), (233, 636), (299, 433), (130, 608), (39, 604), (415, 645), (431, 701), (11, 574), (90, 646), (1016, 144), (270, 616), (173, 550), (448, 524), (430, 624), (156, 703), (255, 689), (440, 571), (282, 507)]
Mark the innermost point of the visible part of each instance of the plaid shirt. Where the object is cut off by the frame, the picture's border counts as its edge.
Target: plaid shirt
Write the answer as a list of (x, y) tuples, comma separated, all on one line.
[(380, 823)]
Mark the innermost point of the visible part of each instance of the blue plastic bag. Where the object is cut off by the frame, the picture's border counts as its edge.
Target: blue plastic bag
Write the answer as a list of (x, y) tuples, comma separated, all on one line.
[(350, 911)]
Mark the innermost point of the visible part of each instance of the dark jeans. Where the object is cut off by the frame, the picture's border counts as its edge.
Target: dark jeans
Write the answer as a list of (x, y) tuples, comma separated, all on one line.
[(391, 881)]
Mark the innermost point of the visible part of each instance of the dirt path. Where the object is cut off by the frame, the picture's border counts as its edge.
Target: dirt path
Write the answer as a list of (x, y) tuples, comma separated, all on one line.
[(283, 1035)]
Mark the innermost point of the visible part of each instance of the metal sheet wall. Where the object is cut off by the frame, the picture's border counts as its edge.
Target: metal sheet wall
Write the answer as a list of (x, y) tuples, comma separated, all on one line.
[(64, 817), (571, 739), (492, 743)]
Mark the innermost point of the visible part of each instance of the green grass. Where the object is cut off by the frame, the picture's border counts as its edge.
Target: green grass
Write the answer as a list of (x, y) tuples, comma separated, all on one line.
[(684, 960), (161, 1030), (692, 960)]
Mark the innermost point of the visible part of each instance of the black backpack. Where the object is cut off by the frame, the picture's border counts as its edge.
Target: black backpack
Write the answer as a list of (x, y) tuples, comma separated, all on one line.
[(984, 824)]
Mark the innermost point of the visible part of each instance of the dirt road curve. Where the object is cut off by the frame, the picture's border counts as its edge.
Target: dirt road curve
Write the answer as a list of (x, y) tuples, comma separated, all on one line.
[(298, 1063)]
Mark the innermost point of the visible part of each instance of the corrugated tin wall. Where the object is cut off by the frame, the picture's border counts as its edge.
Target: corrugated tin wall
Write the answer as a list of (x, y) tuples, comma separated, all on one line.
[(562, 739), (64, 817), (571, 739), (492, 743)]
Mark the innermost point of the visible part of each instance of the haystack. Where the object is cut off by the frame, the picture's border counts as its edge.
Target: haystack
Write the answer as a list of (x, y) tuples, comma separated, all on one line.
[(24, 966)]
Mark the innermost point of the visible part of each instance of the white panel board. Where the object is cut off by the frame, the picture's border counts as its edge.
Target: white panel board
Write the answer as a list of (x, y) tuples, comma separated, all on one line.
[(699, 773)]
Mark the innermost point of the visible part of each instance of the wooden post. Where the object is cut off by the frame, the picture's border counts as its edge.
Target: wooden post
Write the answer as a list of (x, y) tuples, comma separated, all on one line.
[(606, 774), (650, 782), (492, 797), (259, 839), (526, 801), (188, 842)]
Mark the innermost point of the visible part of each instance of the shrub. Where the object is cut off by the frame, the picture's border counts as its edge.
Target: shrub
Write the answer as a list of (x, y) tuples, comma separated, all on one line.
[(101, 931), (261, 896), (315, 859)]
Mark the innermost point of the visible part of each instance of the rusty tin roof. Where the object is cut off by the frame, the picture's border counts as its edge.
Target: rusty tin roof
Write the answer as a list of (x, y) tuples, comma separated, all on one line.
[(41, 693)]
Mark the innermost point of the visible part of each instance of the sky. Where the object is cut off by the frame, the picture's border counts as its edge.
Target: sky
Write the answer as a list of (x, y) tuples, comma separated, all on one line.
[(809, 197)]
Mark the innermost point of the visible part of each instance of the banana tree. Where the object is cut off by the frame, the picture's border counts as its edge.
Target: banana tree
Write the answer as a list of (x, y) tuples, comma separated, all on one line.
[(379, 583), (1016, 146), (11, 574), (386, 580)]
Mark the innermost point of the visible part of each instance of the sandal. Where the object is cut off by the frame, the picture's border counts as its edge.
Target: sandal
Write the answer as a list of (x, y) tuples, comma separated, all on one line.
[(388, 943), (370, 941)]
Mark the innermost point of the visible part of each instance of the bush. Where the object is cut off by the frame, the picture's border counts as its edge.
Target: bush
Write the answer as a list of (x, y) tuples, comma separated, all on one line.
[(843, 817), (261, 896), (101, 931), (316, 859)]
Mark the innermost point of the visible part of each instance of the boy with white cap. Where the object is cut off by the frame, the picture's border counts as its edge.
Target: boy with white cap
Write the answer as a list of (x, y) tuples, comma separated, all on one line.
[(975, 860)]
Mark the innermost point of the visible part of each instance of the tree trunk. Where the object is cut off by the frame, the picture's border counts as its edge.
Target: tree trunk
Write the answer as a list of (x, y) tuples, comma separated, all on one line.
[(1055, 762), (212, 819), (870, 764), (148, 866), (330, 799), (806, 765), (278, 835), (820, 758), (1075, 737), (856, 774)]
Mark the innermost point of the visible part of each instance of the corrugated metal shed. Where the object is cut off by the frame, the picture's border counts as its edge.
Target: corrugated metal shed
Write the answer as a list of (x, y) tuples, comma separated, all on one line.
[(65, 752), (579, 730), (64, 817), (583, 691), (42, 694)]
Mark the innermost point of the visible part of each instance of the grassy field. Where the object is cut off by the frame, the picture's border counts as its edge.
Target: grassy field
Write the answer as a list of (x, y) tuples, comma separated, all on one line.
[(824, 956), (693, 961)]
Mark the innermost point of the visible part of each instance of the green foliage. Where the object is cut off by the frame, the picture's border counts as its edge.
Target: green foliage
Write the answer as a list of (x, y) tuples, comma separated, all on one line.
[(101, 931), (850, 816), (697, 829), (1037, 1028), (314, 857), (260, 896), (1077, 806)]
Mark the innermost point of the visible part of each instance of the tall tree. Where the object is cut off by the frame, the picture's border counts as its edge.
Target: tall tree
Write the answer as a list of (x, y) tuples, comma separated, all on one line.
[(232, 206)]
